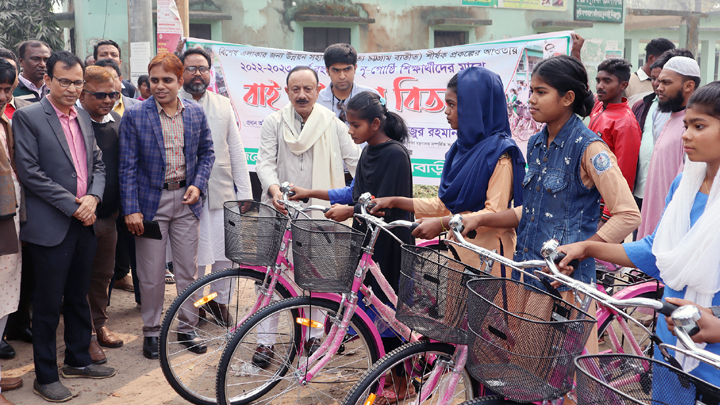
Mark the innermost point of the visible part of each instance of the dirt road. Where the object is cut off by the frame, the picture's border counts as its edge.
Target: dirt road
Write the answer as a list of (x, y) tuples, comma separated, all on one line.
[(138, 380)]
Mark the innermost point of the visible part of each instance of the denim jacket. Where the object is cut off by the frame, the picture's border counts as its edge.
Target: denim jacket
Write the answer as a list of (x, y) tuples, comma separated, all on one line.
[(557, 205)]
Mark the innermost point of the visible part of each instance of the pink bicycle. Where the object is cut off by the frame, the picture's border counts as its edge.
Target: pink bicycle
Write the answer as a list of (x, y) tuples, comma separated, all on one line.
[(258, 239)]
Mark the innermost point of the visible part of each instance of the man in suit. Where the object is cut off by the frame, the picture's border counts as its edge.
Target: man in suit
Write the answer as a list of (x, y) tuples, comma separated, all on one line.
[(60, 167), (109, 49), (166, 155)]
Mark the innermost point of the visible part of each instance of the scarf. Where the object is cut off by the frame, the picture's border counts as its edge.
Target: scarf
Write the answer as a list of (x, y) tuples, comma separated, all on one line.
[(320, 134), (484, 135), (688, 256)]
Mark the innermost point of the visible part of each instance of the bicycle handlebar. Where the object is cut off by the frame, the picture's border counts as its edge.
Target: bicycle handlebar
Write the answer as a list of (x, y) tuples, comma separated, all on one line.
[(366, 203), (296, 206)]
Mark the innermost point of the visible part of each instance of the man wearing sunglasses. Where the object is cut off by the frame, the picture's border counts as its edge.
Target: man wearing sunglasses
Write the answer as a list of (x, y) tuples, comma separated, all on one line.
[(60, 167), (97, 98)]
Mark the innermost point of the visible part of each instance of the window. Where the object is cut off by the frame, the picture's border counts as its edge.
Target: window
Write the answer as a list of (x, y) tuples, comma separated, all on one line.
[(316, 39), (450, 38), (202, 31)]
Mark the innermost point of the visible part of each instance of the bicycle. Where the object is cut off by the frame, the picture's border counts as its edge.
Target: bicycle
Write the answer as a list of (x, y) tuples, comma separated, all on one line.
[(257, 238), (624, 379), (320, 377), (517, 367), (368, 389)]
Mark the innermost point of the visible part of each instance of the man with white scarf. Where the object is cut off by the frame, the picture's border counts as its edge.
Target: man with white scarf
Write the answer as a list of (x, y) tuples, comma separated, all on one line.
[(306, 144), (682, 252)]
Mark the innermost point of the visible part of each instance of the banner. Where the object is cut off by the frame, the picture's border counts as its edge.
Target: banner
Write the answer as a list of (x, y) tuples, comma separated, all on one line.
[(412, 82), (549, 5), (169, 26)]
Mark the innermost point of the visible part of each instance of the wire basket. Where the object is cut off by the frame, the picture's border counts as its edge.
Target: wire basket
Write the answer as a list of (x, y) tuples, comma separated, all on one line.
[(253, 232), (523, 340), (625, 379), (325, 254), (432, 298)]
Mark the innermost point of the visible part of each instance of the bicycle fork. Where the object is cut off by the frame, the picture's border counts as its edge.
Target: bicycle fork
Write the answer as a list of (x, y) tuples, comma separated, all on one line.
[(332, 342), (430, 387)]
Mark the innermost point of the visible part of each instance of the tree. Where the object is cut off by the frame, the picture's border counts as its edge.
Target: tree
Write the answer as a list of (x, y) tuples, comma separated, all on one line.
[(22, 20)]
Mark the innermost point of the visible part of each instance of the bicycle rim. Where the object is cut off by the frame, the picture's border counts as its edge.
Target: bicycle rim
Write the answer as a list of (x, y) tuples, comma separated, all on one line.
[(190, 374), (416, 360), (240, 381)]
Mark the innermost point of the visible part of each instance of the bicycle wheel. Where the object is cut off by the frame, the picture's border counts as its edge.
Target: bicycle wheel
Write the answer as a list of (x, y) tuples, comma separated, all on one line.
[(193, 375), (646, 317), (418, 360), (493, 400), (241, 381)]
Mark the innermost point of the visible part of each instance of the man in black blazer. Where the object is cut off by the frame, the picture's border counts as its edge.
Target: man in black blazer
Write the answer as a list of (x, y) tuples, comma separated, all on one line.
[(60, 167)]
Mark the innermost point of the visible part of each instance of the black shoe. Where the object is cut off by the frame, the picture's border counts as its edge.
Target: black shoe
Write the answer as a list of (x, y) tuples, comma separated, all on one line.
[(24, 334), (6, 351), (311, 346), (193, 342), (263, 355), (151, 347)]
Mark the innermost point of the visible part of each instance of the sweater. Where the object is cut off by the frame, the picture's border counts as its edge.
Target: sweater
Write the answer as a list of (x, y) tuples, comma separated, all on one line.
[(108, 139)]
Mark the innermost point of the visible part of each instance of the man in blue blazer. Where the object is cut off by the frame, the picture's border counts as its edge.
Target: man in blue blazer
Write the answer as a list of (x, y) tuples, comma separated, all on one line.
[(166, 155)]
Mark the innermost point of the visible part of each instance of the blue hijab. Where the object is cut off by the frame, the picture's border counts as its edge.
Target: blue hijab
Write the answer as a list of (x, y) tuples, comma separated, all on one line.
[(484, 135)]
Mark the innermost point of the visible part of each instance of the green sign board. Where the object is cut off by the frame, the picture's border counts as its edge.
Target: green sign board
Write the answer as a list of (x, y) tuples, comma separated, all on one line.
[(599, 10)]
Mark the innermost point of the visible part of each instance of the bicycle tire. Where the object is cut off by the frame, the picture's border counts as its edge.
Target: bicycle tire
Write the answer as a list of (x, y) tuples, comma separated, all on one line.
[(642, 338), (367, 383), (236, 372), (191, 375), (492, 400)]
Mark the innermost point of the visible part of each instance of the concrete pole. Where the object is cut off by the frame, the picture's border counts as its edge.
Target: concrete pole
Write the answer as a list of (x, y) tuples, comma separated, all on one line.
[(140, 34), (707, 65), (183, 7), (693, 33)]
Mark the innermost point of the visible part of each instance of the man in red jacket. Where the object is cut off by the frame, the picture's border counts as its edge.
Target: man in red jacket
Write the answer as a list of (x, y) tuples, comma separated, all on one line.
[(613, 120)]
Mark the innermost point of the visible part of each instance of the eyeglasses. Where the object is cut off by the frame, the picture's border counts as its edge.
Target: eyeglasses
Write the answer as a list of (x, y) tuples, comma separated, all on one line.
[(343, 110), (100, 95), (66, 83), (193, 69)]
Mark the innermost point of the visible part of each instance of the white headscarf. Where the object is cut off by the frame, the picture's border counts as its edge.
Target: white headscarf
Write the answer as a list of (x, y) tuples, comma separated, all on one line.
[(690, 256)]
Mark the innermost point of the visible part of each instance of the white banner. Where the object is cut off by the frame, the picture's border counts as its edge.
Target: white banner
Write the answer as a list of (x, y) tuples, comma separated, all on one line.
[(413, 83)]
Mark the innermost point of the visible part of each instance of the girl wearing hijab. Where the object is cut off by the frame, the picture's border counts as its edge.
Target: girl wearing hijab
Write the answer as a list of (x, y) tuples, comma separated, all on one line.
[(483, 169)]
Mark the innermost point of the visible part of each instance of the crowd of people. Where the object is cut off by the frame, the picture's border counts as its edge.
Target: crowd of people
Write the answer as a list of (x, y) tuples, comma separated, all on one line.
[(99, 179)]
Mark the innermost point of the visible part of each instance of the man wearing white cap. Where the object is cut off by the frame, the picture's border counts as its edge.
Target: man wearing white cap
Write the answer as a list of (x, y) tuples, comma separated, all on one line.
[(678, 80)]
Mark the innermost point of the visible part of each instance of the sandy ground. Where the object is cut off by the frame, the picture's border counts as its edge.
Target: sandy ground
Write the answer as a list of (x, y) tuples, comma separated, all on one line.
[(138, 380)]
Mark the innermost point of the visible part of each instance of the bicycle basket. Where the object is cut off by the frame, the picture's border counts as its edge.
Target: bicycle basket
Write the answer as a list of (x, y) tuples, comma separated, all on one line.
[(432, 298), (522, 340), (253, 232), (625, 380), (325, 254)]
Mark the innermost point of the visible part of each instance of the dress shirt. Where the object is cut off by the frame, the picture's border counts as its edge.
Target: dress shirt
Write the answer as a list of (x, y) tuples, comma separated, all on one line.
[(76, 144), (173, 129)]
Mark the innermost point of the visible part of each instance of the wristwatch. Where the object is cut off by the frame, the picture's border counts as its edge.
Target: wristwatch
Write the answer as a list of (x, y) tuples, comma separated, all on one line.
[(716, 311)]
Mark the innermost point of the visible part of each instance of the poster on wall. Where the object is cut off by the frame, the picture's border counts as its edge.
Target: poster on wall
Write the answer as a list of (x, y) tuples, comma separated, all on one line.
[(169, 26), (413, 82), (549, 5)]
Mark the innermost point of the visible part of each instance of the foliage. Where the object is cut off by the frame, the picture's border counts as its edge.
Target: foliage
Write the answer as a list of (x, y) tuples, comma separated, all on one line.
[(22, 20)]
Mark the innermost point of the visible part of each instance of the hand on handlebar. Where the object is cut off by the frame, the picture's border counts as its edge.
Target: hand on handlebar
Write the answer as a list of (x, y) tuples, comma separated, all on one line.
[(471, 223), (709, 325), (340, 212), (429, 228), (277, 196), (572, 251), (379, 206), (300, 193)]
